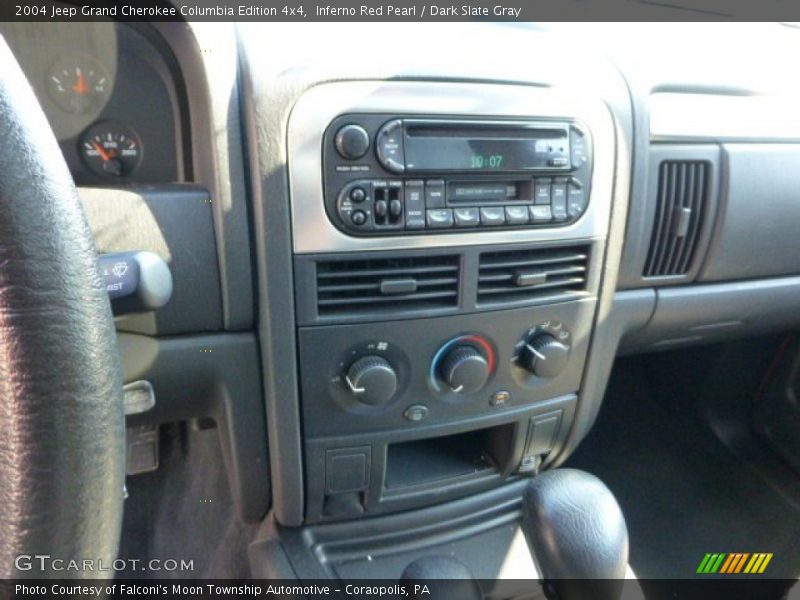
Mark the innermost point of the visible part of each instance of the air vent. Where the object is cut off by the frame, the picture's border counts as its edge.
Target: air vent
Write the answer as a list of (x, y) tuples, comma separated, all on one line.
[(391, 285), (532, 275), (680, 213)]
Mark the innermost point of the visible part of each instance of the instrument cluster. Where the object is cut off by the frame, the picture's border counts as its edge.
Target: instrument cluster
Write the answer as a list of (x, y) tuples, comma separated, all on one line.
[(111, 96)]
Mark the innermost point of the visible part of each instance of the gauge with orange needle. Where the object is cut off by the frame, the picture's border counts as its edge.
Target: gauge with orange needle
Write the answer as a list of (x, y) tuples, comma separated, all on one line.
[(79, 84), (111, 149)]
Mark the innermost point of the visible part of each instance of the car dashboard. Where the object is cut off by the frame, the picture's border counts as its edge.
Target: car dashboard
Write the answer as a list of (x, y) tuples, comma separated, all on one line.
[(403, 280)]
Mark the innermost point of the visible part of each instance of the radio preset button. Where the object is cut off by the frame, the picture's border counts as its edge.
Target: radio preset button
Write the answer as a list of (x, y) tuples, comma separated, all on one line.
[(517, 215), (541, 214), (578, 147), (493, 215), (395, 208), (541, 191), (466, 217), (440, 218), (576, 199), (558, 193), (434, 193), (415, 205)]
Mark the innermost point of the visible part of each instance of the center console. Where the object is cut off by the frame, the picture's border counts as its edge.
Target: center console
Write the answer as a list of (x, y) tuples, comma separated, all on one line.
[(448, 247)]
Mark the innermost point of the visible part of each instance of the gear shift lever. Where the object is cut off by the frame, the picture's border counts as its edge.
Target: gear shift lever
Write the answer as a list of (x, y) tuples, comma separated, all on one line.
[(446, 579), (577, 535)]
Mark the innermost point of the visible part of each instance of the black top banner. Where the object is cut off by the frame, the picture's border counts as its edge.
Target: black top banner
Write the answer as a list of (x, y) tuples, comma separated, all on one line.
[(400, 10)]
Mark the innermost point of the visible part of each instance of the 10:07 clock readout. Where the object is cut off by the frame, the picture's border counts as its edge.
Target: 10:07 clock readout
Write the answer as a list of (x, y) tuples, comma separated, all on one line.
[(486, 161)]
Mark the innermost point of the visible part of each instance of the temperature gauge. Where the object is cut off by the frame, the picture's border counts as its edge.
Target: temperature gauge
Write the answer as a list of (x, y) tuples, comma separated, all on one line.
[(111, 149), (78, 84)]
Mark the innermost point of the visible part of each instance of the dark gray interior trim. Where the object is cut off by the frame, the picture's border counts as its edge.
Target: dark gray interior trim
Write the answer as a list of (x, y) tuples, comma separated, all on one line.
[(208, 53), (313, 552), (605, 336), (176, 223), (265, 113), (701, 314), (756, 231), (216, 376)]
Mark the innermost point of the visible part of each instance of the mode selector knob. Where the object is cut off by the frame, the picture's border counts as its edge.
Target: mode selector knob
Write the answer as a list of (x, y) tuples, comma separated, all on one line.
[(545, 356), (352, 141), (372, 380), (465, 370)]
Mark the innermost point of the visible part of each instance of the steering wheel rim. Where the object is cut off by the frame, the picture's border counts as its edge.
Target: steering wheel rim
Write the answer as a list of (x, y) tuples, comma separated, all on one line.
[(62, 423)]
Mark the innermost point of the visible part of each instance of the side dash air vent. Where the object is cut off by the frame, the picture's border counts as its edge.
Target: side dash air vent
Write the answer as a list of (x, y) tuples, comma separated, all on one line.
[(387, 285), (532, 275), (683, 190)]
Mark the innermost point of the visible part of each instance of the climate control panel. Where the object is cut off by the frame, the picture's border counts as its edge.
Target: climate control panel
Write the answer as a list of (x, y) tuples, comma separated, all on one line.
[(425, 371)]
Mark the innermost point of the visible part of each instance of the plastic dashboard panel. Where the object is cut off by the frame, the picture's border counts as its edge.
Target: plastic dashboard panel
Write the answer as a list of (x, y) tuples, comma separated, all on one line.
[(756, 233)]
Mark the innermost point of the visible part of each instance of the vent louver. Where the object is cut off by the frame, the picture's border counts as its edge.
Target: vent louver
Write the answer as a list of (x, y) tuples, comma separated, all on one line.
[(683, 188), (533, 275), (379, 286)]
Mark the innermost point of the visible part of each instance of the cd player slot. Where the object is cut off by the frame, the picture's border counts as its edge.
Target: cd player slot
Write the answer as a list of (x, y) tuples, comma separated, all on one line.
[(480, 193)]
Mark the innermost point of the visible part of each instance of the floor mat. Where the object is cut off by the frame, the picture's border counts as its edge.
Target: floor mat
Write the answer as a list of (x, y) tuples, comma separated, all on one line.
[(184, 511), (682, 492)]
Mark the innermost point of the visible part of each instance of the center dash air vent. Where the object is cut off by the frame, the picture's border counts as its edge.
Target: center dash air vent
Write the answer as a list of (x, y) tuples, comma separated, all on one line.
[(387, 285), (532, 275), (683, 190)]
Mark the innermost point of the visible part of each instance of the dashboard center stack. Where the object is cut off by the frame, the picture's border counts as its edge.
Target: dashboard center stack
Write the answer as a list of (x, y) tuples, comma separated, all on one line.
[(448, 245)]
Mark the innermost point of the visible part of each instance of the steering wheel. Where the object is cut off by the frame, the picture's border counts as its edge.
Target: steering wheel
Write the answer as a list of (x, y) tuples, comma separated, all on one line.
[(62, 423)]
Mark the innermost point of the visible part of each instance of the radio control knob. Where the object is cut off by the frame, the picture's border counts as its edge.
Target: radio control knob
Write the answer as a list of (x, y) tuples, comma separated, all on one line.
[(372, 380), (359, 217), (352, 141), (358, 195), (544, 356), (464, 369)]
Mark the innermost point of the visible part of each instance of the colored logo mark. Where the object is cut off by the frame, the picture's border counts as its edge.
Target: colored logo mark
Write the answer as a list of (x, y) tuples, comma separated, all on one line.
[(734, 563)]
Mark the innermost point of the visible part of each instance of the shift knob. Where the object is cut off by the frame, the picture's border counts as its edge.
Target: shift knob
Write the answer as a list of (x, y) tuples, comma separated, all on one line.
[(577, 535), (446, 579)]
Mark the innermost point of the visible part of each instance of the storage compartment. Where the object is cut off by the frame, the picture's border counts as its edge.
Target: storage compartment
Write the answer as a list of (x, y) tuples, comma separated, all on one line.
[(448, 459)]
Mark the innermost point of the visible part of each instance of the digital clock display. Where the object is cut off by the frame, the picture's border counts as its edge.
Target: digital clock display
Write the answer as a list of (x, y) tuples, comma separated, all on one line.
[(470, 154), (486, 161)]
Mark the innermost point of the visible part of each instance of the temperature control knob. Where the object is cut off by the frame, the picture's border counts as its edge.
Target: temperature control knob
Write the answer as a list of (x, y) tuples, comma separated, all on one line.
[(372, 379), (464, 369), (544, 356)]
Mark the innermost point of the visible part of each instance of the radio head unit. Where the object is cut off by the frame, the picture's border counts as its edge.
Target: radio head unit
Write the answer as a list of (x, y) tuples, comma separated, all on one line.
[(405, 175)]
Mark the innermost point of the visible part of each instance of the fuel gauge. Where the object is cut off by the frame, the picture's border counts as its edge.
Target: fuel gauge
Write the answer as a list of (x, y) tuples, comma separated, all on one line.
[(111, 149), (79, 84)]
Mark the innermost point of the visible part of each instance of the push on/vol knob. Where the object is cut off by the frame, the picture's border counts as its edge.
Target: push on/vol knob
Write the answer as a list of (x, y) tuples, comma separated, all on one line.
[(352, 141), (545, 356), (372, 379)]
